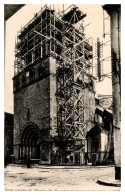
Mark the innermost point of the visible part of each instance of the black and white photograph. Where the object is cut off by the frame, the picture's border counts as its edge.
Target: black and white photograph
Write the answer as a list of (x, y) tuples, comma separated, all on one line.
[(62, 96)]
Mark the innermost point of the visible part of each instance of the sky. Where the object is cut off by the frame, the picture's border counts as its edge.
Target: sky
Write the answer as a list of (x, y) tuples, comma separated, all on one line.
[(94, 29)]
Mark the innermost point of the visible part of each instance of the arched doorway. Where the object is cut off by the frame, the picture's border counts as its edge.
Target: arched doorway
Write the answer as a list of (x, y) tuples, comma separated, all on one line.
[(30, 142)]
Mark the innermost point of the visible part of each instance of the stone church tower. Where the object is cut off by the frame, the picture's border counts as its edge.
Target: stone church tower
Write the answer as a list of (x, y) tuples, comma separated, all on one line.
[(54, 97)]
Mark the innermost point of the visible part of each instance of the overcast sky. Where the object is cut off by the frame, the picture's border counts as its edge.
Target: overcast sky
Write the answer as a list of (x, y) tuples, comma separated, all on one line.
[(22, 17)]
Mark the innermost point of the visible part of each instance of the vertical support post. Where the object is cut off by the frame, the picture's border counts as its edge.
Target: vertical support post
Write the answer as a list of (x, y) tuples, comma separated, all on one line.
[(50, 32), (21, 152), (92, 56), (15, 58), (54, 27), (27, 47), (83, 64), (103, 24), (89, 54), (33, 51), (41, 36), (73, 69), (98, 59), (46, 33), (74, 47)]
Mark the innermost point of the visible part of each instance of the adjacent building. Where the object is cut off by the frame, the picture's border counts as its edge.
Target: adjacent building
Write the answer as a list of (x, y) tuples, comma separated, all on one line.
[(100, 137), (8, 136), (114, 11)]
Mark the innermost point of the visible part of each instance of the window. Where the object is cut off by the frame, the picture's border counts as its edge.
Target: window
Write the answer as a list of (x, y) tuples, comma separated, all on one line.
[(99, 119), (29, 58), (104, 141), (24, 79), (27, 74), (28, 113), (17, 83), (41, 71), (38, 53), (30, 35), (32, 74)]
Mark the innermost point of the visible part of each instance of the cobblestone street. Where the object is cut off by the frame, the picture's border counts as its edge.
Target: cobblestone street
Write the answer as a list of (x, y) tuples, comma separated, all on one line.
[(58, 178)]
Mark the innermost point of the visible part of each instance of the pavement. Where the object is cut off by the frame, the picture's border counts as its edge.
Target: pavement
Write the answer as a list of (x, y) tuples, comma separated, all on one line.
[(110, 182), (60, 178)]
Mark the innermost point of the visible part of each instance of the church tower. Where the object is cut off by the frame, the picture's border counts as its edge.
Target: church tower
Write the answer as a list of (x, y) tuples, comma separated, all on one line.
[(54, 97)]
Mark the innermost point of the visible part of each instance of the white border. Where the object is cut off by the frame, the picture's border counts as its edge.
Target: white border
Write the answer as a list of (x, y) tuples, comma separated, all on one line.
[(122, 2)]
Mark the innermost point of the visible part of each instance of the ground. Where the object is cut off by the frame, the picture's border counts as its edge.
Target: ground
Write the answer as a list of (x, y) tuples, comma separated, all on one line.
[(58, 178)]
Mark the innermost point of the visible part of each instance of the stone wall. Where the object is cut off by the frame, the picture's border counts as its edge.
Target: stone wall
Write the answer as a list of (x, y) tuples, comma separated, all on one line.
[(32, 104)]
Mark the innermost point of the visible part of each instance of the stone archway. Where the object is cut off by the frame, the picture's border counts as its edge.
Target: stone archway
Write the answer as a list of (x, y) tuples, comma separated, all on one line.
[(30, 142)]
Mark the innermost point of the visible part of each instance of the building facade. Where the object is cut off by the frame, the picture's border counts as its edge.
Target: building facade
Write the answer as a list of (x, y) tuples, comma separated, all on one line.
[(54, 93), (114, 12), (100, 149)]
